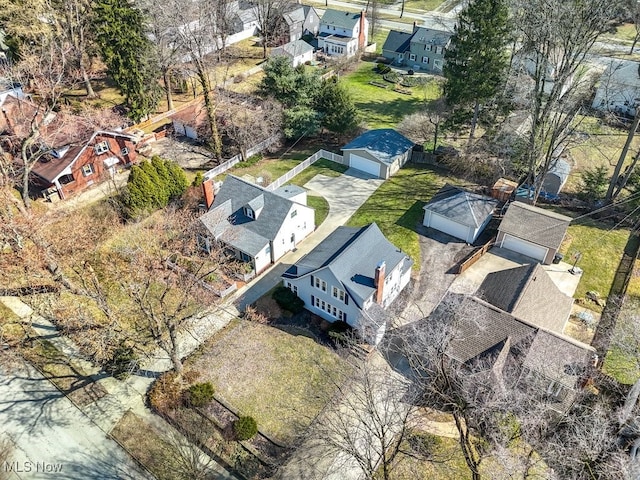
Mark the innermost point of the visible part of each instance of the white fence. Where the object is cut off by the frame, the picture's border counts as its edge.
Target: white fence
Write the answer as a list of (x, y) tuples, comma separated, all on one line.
[(223, 167), (334, 157)]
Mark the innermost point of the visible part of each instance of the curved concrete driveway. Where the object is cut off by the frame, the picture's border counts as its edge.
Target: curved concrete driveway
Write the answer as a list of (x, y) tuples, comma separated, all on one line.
[(345, 194)]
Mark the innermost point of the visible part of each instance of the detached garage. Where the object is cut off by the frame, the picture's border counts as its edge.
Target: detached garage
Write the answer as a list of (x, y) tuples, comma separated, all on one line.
[(532, 231), (379, 153), (459, 213)]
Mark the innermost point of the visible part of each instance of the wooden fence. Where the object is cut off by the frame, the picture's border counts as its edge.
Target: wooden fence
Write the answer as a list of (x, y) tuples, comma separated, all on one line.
[(475, 256), (334, 157)]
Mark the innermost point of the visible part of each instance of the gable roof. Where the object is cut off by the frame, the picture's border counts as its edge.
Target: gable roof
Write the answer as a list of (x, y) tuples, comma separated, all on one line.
[(227, 221), (535, 224), (384, 143), (342, 253), (462, 206), (429, 36), (293, 49), (337, 18), (528, 293), (397, 41)]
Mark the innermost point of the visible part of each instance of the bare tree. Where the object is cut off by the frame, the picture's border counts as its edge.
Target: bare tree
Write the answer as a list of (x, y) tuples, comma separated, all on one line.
[(270, 21), (555, 37), (633, 10), (425, 126)]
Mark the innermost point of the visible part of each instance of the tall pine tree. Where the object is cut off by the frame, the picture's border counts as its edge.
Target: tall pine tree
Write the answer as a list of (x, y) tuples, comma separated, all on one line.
[(476, 62), (127, 52)]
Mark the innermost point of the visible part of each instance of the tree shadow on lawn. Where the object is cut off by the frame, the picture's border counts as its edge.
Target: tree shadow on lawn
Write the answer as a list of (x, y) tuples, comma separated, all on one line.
[(412, 218)]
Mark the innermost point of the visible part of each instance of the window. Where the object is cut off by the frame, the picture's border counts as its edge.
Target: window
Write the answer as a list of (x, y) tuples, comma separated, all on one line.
[(124, 151), (294, 213), (87, 169), (294, 288), (65, 179), (102, 147), (248, 212), (320, 284), (244, 257), (425, 60), (412, 56), (339, 294)]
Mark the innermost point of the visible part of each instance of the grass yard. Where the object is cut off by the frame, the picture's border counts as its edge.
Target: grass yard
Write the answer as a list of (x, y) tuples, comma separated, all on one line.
[(422, 5), (321, 207), (397, 206), (282, 380), (382, 107), (601, 251), (623, 34), (322, 166)]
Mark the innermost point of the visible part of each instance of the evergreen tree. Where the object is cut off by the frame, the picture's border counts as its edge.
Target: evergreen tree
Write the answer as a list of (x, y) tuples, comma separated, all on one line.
[(159, 195), (290, 86), (300, 120), (338, 114), (127, 52), (476, 61), (178, 182), (139, 191)]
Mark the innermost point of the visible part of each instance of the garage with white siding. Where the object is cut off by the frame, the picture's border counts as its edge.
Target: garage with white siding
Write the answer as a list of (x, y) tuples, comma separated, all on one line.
[(459, 213), (378, 152), (532, 231)]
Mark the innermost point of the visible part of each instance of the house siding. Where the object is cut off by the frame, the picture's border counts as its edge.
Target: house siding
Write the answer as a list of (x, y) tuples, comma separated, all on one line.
[(100, 172), (301, 225)]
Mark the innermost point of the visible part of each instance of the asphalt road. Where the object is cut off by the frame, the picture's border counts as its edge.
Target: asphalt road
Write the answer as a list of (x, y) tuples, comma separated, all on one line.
[(51, 438)]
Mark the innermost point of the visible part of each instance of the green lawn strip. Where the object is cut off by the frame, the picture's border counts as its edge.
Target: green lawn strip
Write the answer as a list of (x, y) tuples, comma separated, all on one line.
[(601, 250), (279, 379), (623, 34), (382, 107), (321, 207), (621, 364), (397, 206), (147, 446), (323, 166), (621, 367)]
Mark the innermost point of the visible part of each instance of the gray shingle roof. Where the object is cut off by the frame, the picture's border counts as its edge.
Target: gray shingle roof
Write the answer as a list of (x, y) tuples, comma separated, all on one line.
[(535, 224), (461, 206), (352, 255), (340, 19), (397, 41), (385, 144), (528, 293), (428, 36), (289, 191), (479, 328), (247, 234), (293, 49), (296, 15)]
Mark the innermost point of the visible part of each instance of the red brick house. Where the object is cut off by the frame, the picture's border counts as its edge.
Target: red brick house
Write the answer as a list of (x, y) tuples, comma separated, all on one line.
[(72, 168)]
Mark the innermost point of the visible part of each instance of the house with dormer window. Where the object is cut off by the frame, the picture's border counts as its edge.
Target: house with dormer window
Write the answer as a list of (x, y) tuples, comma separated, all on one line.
[(257, 225), (353, 275)]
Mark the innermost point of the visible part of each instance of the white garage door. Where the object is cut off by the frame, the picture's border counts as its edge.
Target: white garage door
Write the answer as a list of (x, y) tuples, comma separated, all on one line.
[(448, 226), (525, 248), (364, 165)]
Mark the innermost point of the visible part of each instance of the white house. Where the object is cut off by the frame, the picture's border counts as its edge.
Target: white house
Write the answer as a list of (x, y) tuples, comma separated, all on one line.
[(297, 51), (258, 225), (379, 152), (459, 213), (353, 276), (342, 33), (619, 88)]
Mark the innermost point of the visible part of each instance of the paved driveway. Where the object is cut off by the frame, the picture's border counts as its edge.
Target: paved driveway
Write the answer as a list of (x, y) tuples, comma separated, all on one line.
[(48, 432), (345, 195)]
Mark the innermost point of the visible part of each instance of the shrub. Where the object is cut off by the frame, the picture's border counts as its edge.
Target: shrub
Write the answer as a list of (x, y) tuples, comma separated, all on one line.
[(122, 362), (391, 77), (165, 392), (382, 68), (288, 300), (198, 180), (245, 428), (252, 160), (199, 394), (594, 183)]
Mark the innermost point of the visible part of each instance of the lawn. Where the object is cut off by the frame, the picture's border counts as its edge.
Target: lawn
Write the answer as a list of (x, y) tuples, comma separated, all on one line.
[(382, 107), (322, 166), (622, 365), (601, 250), (282, 380), (422, 5), (623, 34), (321, 207), (397, 206)]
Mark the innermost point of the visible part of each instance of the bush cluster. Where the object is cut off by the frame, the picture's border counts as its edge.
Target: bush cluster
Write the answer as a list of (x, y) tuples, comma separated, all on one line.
[(382, 68), (121, 362), (288, 300), (199, 394), (245, 428), (152, 185)]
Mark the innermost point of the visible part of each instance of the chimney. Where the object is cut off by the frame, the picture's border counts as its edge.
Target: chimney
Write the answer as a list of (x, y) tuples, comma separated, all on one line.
[(415, 26), (378, 281), (209, 194), (362, 40)]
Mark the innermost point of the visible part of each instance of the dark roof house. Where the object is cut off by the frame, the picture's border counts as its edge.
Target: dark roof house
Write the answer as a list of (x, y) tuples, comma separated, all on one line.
[(459, 213), (532, 231)]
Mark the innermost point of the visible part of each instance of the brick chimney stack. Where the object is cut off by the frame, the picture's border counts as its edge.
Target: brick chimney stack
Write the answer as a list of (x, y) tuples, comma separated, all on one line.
[(415, 26), (209, 194), (362, 41), (378, 281)]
